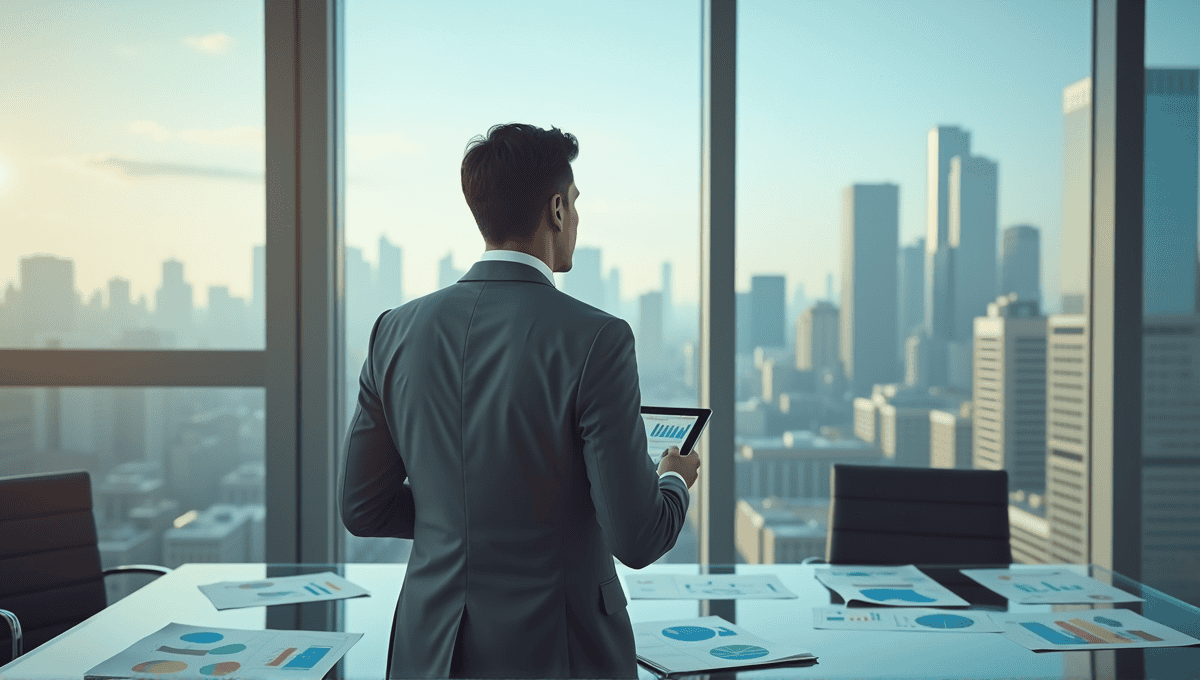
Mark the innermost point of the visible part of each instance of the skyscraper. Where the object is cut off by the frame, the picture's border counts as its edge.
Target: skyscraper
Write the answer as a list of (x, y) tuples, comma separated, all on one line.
[(870, 242), (768, 298), (911, 289), (817, 347), (448, 274), (973, 189), (47, 296), (650, 328), (584, 282), (612, 292), (173, 303), (1010, 393), (258, 296), (944, 143), (1169, 209), (1074, 274), (120, 304), (1068, 454), (389, 277), (1021, 263), (742, 323)]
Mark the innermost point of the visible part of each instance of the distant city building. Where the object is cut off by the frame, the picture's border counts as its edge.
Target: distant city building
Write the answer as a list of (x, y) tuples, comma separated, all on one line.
[(16, 422), (48, 298), (742, 317), (866, 419), (870, 236), (173, 305), (612, 292), (1010, 393), (584, 282), (225, 325), (768, 300), (220, 533), (245, 485), (204, 449), (389, 279), (1169, 210), (258, 294), (1028, 529), (943, 144), (779, 377), (925, 360), (1068, 455), (973, 204), (817, 346), (120, 304), (668, 300), (650, 327), (125, 487), (1074, 269), (796, 464), (950, 438), (448, 274), (779, 531), (1021, 263), (911, 290), (904, 434)]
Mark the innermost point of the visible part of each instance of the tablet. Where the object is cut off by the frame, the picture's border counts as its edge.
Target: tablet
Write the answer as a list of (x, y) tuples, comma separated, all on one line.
[(668, 426)]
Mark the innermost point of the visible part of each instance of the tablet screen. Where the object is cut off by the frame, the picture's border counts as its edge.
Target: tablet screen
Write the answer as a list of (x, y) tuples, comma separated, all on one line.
[(665, 431)]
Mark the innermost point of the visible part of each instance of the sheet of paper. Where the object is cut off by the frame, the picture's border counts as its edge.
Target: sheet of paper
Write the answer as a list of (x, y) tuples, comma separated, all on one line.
[(707, 587), (284, 590), (893, 586), (704, 644), (180, 651), (1091, 629), (915, 619), (1048, 586)]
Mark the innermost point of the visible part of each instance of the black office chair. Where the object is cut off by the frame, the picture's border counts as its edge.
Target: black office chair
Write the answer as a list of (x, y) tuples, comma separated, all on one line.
[(50, 575), (899, 515)]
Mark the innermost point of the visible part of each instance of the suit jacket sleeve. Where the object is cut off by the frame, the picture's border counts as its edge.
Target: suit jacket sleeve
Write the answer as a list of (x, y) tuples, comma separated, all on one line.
[(376, 501), (640, 515)]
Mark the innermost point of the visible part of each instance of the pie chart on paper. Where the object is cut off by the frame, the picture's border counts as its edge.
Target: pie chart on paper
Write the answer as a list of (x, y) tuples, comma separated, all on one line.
[(159, 667), (739, 652), (944, 621)]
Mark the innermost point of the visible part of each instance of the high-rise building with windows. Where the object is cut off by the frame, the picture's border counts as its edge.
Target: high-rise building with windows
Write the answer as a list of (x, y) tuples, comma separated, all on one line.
[(817, 347), (173, 305), (768, 302), (1074, 277), (911, 293), (870, 243), (1068, 482), (950, 438), (973, 187), (584, 282), (47, 297), (943, 144), (1021, 262), (1010, 393)]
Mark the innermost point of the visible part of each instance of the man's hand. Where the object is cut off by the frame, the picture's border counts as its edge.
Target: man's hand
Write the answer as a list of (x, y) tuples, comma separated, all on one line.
[(687, 466)]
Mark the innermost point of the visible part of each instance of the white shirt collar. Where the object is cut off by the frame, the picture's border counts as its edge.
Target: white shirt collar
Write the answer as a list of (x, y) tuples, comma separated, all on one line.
[(523, 258)]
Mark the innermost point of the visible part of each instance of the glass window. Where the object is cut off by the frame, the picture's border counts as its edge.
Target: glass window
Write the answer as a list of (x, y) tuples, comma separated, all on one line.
[(909, 211), (132, 198), (424, 78), (1171, 330), (177, 473)]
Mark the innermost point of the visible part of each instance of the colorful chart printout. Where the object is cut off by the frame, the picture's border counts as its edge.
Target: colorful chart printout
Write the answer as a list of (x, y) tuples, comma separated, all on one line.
[(189, 652), (916, 619), (707, 643), (1048, 586), (706, 587), (284, 590), (1091, 629), (894, 586)]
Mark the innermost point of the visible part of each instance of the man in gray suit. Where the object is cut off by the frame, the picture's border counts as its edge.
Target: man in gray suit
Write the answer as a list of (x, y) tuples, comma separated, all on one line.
[(498, 426)]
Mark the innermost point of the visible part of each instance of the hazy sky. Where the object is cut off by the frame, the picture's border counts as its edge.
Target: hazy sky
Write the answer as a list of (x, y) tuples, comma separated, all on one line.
[(132, 131)]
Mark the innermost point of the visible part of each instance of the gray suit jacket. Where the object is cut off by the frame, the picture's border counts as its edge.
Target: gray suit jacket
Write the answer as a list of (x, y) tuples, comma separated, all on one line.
[(498, 426)]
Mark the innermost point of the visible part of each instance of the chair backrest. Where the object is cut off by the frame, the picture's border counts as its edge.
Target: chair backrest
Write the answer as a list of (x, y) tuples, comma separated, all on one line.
[(50, 574), (898, 515)]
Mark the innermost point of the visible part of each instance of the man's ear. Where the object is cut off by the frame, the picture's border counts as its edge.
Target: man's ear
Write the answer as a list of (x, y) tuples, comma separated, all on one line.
[(556, 212)]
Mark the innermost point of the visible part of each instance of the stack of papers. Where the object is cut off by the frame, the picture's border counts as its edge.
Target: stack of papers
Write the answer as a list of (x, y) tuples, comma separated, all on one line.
[(1048, 586), (707, 643), (894, 586), (284, 590), (179, 651), (706, 587)]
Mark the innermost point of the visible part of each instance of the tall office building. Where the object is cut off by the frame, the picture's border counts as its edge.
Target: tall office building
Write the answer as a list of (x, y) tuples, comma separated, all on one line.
[(173, 305), (742, 323), (612, 292), (120, 304), (1169, 209), (911, 293), (650, 328), (768, 299), (1068, 454), (584, 282), (389, 277), (943, 144), (817, 347), (1010, 393), (448, 274), (973, 186), (870, 242), (950, 438), (1074, 274), (47, 297), (1021, 263), (668, 300)]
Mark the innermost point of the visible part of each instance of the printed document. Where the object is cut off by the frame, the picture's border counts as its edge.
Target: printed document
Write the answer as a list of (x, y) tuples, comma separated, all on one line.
[(706, 587), (284, 590), (1090, 629), (915, 619), (1048, 586), (707, 643), (894, 586)]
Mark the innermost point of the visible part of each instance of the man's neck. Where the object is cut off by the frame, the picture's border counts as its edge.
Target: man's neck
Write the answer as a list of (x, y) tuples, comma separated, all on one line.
[(536, 248)]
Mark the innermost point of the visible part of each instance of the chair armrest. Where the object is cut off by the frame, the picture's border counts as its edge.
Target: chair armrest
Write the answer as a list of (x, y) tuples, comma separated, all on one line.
[(813, 560), (152, 569), (14, 625)]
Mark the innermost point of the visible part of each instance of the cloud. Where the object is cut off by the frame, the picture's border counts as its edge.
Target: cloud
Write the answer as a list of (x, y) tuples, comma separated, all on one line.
[(240, 135), (213, 43), (114, 169)]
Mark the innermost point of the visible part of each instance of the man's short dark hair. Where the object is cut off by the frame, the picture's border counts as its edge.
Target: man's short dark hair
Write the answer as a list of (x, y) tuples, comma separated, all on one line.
[(509, 176)]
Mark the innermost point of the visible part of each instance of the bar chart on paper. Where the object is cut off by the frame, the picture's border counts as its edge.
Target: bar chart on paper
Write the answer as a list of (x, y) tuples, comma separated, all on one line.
[(1042, 586), (1097, 629)]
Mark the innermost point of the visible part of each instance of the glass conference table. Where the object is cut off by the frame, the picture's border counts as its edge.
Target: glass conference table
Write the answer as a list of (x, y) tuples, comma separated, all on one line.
[(841, 654)]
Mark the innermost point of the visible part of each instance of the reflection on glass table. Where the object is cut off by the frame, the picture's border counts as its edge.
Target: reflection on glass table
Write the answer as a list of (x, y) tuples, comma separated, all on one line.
[(841, 653)]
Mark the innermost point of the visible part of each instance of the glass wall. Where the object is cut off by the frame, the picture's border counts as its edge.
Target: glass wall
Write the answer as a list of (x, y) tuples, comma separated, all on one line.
[(424, 78), (1171, 331), (912, 216), (131, 175)]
